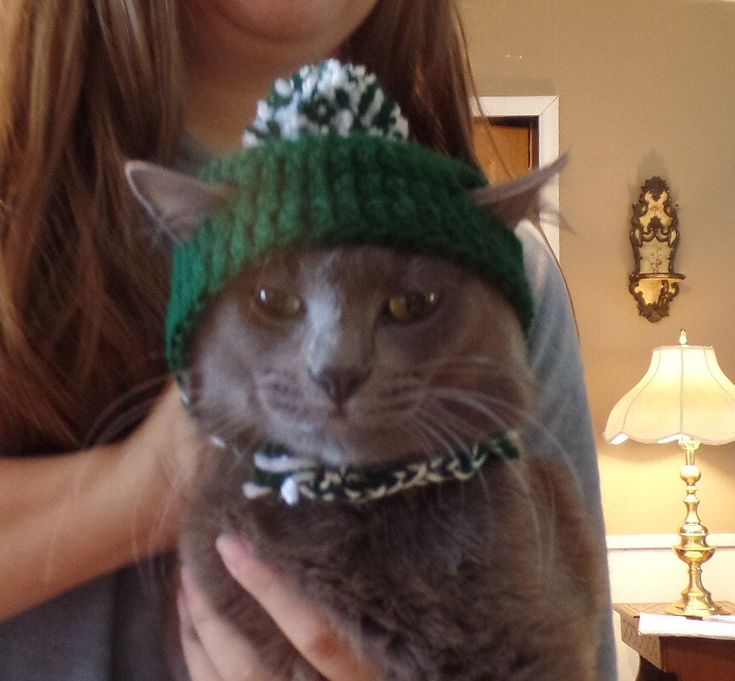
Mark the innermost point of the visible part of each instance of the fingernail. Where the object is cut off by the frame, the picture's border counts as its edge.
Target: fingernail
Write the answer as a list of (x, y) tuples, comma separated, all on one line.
[(234, 551)]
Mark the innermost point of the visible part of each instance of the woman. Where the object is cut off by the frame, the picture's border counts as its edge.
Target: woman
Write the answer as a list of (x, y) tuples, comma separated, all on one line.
[(86, 84)]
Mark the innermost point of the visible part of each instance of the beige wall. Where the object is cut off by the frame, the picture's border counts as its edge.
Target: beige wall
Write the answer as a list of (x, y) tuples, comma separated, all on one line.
[(646, 87)]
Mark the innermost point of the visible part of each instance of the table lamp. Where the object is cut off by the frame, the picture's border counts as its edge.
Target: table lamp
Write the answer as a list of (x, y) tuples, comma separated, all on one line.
[(684, 397)]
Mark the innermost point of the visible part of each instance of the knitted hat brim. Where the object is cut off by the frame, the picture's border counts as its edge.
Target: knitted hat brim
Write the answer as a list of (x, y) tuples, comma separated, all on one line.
[(329, 191)]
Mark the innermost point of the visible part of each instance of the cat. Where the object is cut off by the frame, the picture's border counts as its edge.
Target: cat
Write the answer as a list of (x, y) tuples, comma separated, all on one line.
[(375, 359)]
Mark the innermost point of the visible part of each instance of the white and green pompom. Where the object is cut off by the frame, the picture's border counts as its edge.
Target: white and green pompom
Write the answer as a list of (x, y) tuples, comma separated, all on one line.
[(330, 97)]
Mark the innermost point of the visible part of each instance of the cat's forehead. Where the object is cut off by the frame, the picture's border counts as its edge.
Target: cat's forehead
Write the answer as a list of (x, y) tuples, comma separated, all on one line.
[(359, 264)]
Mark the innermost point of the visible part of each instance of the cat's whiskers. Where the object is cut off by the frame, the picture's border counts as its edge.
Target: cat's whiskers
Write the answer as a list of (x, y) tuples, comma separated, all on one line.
[(170, 504), (286, 386), (445, 425), (429, 434), (483, 404), (477, 363), (461, 359), (399, 393), (435, 434), (413, 431), (387, 409), (121, 420), (281, 392), (144, 542), (221, 431), (519, 477), (481, 368), (443, 414), (227, 432), (464, 432), (526, 417)]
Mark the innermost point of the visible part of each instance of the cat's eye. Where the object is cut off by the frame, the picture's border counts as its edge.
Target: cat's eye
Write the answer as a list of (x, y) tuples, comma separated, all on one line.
[(411, 306), (279, 303)]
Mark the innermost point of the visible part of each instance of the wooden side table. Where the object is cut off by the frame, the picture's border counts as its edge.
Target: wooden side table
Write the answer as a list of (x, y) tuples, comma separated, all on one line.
[(676, 658)]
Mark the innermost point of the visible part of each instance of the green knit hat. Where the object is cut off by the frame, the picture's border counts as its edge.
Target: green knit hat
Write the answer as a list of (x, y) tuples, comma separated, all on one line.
[(326, 164)]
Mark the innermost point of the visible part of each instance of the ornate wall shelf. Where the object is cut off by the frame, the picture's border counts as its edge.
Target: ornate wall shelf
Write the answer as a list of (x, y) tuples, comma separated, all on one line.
[(654, 236)]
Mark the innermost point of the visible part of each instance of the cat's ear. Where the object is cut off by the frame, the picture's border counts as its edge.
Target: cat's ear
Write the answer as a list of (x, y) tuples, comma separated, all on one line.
[(176, 202), (512, 201)]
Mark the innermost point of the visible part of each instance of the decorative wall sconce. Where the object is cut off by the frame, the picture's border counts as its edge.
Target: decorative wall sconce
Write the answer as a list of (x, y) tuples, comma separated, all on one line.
[(654, 235)]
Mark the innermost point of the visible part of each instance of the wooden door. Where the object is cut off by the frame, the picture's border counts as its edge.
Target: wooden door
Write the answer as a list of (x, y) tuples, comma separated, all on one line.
[(506, 147)]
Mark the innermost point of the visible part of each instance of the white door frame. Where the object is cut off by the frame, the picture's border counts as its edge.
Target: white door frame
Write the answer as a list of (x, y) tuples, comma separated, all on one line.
[(546, 110)]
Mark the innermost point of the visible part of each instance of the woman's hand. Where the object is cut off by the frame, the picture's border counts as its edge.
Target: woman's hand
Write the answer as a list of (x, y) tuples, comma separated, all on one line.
[(215, 651), (163, 454), (69, 518)]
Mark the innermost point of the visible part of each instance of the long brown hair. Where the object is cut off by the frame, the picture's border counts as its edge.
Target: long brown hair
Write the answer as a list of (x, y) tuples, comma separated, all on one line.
[(85, 84), (81, 292)]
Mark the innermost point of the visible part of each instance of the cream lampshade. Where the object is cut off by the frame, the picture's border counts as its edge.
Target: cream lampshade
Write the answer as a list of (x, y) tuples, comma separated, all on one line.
[(683, 397)]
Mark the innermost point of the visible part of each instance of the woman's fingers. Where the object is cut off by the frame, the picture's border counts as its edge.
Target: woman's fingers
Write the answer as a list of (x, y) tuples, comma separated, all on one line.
[(295, 616), (213, 649), (198, 663)]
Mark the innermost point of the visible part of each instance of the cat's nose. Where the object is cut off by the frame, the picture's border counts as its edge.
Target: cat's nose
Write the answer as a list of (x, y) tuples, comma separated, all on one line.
[(340, 383)]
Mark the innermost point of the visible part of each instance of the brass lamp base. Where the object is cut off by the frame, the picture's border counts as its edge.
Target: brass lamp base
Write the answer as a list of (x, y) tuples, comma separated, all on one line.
[(693, 549), (696, 600)]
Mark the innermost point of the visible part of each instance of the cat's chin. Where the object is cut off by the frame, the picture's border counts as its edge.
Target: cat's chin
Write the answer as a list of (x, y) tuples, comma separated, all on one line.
[(371, 448)]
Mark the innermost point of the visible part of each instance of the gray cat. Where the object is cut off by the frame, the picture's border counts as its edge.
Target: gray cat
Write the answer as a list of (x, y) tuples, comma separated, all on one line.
[(396, 498)]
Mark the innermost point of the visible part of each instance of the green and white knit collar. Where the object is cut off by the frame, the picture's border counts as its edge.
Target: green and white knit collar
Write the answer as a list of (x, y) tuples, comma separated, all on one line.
[(297, 478)]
